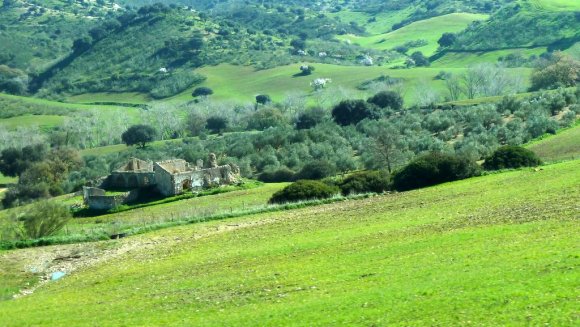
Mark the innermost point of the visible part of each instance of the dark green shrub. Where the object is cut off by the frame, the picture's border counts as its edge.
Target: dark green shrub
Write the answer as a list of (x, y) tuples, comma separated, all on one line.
[(201, 91), (434, 168), (216, 124), (304, 190), (316, 170), (310, 118), (351, 112), (365, 182), (283, 174), (511, 157), (384, 99)]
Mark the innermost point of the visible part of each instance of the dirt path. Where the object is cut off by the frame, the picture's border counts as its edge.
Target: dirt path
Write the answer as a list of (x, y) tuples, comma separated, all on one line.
[(72, 258)]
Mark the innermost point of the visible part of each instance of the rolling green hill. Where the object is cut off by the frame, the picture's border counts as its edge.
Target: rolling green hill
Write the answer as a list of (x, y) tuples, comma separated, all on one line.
[(562, 146), (429, 31), (504, 254)]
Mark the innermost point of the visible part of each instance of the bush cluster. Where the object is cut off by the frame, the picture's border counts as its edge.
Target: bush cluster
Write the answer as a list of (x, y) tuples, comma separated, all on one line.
[(365, 182), (304, 190), (434, 168), (511, 157)]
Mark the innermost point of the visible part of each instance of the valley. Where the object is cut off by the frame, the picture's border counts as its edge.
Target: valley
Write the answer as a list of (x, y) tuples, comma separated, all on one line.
[(289, 163)]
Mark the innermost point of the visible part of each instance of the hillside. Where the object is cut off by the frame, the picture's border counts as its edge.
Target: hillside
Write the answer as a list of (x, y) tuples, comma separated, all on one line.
[(503, 255), (533, 23), (562, 146)]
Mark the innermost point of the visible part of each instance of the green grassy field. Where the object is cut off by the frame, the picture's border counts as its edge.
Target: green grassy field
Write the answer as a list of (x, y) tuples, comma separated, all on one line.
[(6, 180), (494, 250), (429, 30), (563, 146), (240, 83), (42, 121), (384, 21), (129, 97), (556, 5), (465, 59), (26, 111), (196, 207)]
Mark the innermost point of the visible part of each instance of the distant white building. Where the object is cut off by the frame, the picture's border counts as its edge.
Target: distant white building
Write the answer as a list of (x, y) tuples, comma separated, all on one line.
[(163, 70)]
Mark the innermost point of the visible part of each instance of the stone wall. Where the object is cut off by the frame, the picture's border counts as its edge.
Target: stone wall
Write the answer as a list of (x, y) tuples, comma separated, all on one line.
[(130, 180), (97, 199)]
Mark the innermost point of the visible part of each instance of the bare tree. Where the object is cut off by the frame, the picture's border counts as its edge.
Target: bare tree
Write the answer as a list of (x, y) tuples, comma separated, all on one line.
[(454, 89), (425, 94)]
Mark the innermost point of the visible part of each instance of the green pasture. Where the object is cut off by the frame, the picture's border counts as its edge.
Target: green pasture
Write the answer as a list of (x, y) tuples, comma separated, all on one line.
[(6, 180), (563, 146), (42, 121), (496, 250), (128, 97), (383, 23), (429, 30), (204, 206), (555, 5), (29, 110), (465, 59)]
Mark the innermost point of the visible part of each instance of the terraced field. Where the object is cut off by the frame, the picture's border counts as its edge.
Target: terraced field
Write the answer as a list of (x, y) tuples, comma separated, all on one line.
[(506, 253)]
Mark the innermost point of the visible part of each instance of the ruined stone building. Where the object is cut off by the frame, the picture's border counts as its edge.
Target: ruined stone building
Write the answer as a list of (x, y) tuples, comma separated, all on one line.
[(169, 178)]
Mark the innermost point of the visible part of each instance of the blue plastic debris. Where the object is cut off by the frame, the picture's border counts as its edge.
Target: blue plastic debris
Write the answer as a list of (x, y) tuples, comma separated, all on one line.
[(57, 275)]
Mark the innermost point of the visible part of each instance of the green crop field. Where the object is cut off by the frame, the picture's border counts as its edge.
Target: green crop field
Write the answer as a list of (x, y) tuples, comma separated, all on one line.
[(429, 30), (563, 146), (505, 253)]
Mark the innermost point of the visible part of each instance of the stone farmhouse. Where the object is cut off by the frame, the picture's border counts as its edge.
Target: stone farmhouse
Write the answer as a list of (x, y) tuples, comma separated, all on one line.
[(169, 178)]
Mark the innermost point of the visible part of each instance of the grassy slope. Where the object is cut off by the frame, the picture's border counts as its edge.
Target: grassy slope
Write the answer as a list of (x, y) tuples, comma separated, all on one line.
[(6, 180), (556, 5), (494, 250), (42, 121), (244, 83), (195, 207), (384, 21), (429, 30), (463, 59), (563, 146), (46, 113)]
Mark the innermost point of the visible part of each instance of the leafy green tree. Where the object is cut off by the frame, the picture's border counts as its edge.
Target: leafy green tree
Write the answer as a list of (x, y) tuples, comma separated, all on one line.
[(266, 118), (217, 124), (201, 91), (447, 39), (310, 118), (316, 170), (560, 71), (434, 168), (351, 112), (511, 157), (263, 99), (365, 182), (139, 135), (387, 99), (419, 59), (14, 162)]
